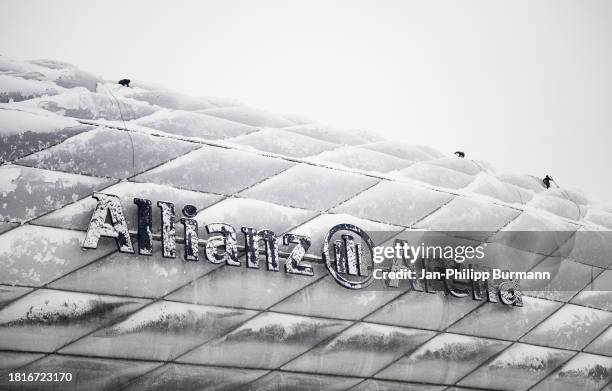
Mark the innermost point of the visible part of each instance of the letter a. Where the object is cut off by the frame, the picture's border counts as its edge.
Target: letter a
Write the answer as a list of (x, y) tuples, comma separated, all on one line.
[(117, 229)]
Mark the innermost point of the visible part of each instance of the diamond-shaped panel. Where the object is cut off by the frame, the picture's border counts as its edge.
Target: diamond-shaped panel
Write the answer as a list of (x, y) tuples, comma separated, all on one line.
[(27, 193), (193, 378), (87, 373), (284, 143), (160, 331), (494, 320), (134, 275), (395, 203), (244, 287), (361, 159), (57, 317), (31, 255), (445, 359), (215, 170), (108, 153), (572, 327), (361, 350), (188, 124), (520, 367), (583, 372), (310, 187), (266, 341)]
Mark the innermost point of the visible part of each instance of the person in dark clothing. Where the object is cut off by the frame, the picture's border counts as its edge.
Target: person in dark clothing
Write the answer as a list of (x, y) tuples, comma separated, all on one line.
[(125, 82), (460, 154), (547, 180)]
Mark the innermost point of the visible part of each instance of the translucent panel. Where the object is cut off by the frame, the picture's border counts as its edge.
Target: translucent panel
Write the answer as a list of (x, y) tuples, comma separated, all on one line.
[(63, 74), (193, 378), (572, 327), (108, 153), (245, 212), (284, 143), (326, 298), (395, 203), (78, 215), (7, 226), (407, 310), (573, 196), (329, 134), (496, 320), (560, 207), (81, 103), (551, 233), (602, 344), (583, 372), (502, 256), (589, 247), (361, 350), (9, 293), (243, 287), (466, 166), (520, 367), (250, 116), (266, 341), (184, 123), (437, 176), (599, 217), (9, 360), (431, 151), (362, 159), (87, 373), (318, 227), (57, 317), (598, 294), (383, 385), (27, 193), (172, 100), (215, 170), (278, 380), (298, 119), (33, 256), (67, 75), (135, 275), (22, 69), (310, 187), (527, 182), (489, 185), (465, 214), (534, 220), (17, 89), (445, 359), (567, 278), (401, 150), (160, 331)]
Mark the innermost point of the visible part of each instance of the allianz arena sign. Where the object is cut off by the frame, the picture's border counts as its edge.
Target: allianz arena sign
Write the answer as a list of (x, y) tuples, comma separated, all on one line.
[(348, 252)]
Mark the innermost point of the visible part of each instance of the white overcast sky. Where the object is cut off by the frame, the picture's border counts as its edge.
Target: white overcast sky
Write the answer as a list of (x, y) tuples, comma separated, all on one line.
[(526, 85)]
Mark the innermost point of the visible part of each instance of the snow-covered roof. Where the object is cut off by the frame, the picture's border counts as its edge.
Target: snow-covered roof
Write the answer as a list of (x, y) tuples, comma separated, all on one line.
[(161, 324)]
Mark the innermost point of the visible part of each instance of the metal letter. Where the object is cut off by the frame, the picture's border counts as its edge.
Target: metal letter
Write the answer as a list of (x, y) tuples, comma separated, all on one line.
[(191, 233), (168, 232), (117, 229), (293, 265), (252, 237), (145, 226), (227, 241)]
